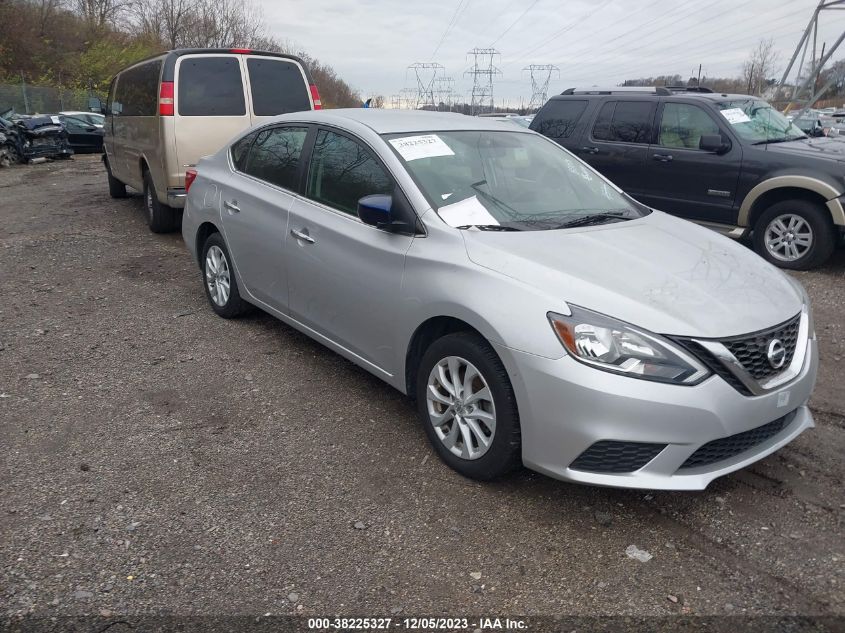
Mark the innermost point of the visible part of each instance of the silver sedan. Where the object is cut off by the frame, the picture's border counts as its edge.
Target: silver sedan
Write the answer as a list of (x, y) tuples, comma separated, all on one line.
[(536, 314)]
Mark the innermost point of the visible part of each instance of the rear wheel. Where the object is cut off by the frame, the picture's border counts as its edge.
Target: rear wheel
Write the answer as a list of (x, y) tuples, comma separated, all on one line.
[(468, 407), (160, 217), (221, 287), (795, 234), (116, 188)]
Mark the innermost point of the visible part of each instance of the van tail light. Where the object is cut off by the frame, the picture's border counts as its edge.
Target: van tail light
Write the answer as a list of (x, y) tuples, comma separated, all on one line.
[(165, 99), (241, 51), (190, 177), (315, 96)]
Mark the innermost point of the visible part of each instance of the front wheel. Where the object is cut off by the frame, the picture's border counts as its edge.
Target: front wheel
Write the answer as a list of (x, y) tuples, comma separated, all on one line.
[(795, 234), (468, 407)]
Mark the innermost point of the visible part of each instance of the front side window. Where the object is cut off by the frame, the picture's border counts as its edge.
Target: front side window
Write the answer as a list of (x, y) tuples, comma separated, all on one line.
[(682, 125), (277, 87), (343, 171), (624, 122), (758, 122), (274, 156), (559, 118), (210, 86), (501, 180)]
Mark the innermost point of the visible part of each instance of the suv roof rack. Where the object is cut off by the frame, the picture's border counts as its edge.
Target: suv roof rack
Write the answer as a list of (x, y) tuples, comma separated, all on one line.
[(649, 90), (689, 89)]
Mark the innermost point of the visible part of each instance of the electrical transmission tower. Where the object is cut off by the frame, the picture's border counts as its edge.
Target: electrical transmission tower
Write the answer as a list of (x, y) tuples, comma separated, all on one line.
[(426, 75), (541, 75), (444, 92), (805, 92), (482, 73)]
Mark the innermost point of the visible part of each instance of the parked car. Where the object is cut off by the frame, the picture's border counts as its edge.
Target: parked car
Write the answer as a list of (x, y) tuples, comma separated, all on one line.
[(731, 162), (167, 111), (92, 118), (537, 313), (83, 136), (31, 137)]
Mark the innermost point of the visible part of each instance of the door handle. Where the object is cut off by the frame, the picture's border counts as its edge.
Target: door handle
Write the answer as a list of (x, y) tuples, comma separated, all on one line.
[(232, 206), (590, 150), (663, 158), (302, 236)]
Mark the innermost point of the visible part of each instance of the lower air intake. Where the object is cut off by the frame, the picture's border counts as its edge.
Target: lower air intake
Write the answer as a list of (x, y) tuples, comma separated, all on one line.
[(611, 456)]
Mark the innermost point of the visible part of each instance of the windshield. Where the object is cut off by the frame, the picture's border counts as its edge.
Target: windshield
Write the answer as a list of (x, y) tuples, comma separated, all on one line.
[(758, 122), (506, 180)]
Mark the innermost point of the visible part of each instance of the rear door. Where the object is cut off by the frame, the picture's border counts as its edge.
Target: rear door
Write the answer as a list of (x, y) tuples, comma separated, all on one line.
[(617, 144), (276, 86)]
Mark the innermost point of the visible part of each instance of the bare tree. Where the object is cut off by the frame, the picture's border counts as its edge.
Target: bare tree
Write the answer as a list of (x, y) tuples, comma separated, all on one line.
[(99, 13), (758, 72)]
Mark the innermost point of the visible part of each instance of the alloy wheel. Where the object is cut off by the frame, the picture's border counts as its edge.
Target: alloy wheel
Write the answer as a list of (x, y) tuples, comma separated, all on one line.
[(788, 237), (217, 276), (460, 407)]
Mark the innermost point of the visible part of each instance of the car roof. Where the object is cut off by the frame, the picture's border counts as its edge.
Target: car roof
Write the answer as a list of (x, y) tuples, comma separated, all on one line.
[(388, 121), (708, 96)]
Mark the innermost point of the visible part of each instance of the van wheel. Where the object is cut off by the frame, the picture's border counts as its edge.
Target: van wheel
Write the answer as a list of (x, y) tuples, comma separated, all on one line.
[(116, 188), (468, 407), (795, 234), (160, 217), (221, 287)]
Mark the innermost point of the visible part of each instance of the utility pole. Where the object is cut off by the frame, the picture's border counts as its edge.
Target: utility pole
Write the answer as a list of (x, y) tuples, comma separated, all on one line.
[(541, 75), (482, 72)]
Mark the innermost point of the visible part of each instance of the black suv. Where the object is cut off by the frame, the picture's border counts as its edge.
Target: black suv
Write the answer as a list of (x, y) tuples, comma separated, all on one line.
[(731, 162)]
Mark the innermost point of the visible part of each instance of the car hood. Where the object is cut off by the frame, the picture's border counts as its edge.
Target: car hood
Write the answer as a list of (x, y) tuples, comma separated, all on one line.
[(658, 272), (821, 147)]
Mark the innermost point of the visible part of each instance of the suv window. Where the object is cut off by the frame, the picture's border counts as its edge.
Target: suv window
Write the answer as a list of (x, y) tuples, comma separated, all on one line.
[(682, 125), (274, 156), (624, 122), (277, 87), (343, 171), (211, 86), (137, 90), (559, 118)]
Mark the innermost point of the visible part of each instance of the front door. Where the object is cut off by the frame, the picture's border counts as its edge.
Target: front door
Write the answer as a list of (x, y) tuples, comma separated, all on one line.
[(345, 276)]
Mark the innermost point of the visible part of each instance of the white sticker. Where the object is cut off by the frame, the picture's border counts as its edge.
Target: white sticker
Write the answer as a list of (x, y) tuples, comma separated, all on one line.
[(426, 146), (465, 212), (783, 399), (735, 115)]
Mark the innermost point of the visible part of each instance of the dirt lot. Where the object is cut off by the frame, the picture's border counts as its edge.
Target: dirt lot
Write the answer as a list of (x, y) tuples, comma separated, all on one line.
[(160, 459)]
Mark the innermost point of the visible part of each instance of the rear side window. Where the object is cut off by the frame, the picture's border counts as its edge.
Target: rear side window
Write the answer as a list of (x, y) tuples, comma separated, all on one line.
[(210, 86), (274, 156), (624, 122), (137, 90), (277, 87), (240, 150), (344, 171), (559, 118)]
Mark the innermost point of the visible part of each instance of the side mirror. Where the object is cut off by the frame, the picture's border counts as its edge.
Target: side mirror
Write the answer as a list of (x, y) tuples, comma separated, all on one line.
[(375, 210), (713, 143)]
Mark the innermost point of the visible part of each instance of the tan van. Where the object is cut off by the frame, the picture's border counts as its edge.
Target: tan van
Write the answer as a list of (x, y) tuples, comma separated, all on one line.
[(166, 112)]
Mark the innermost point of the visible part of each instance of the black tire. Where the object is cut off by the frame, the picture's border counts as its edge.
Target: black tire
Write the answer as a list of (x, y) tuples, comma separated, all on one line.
[(160, 217), (816, 216), (116, 188), (505, 452), (234, 306)]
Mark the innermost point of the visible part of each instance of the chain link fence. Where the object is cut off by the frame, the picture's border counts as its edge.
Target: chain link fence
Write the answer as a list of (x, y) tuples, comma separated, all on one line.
[(26, 99)]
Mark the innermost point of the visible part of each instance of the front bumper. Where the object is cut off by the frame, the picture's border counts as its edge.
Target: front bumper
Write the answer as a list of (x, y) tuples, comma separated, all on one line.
[(566, 407)]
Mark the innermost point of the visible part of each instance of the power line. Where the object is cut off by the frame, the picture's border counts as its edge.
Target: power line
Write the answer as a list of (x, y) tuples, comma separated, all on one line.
[(462, 4), (522, 15)]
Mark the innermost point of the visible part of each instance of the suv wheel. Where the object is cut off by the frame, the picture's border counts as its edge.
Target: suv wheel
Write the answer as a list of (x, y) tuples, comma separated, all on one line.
[(221, 287), (468, 408), (160, 217), (795, 234)]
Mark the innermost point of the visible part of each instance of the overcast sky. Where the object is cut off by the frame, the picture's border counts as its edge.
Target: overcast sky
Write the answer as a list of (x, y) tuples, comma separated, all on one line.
[(371, 43)]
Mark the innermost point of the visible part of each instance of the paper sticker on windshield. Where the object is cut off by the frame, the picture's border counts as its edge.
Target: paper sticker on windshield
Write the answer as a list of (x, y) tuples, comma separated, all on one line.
[(426, 146), (735, 115), (466, 212)]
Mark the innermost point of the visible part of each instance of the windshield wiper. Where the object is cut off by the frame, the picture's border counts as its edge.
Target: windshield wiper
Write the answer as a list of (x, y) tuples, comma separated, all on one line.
[(785, 139), (595, 218), (488, 227)]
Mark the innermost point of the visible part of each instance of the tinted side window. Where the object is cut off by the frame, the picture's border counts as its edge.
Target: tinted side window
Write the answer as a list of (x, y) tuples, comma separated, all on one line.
[(630, 122), (277, 87), (210, 86), (274, 156), (110, 98), (138, 90), (683, 125), (343, 171), (558, 118), (240, 150)]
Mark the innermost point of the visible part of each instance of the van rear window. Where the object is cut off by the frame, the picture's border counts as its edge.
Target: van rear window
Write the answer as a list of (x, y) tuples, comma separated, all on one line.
[(210, 86), (277, 87)]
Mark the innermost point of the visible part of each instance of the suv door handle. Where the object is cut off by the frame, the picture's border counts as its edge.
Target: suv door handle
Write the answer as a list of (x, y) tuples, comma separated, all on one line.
[(590, 150), (302, 236), (663, 158), (232, 206)]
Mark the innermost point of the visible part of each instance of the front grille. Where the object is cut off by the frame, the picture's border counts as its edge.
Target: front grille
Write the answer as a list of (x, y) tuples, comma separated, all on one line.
[(727, 447), (716, 366), (751, 350), (610, 456)]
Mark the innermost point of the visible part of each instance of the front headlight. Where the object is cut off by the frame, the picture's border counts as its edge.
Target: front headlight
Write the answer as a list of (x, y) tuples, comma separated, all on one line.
[(608, 344)]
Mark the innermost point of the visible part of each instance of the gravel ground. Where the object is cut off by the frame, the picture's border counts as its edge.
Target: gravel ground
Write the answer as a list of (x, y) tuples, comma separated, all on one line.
[(158, 459)]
